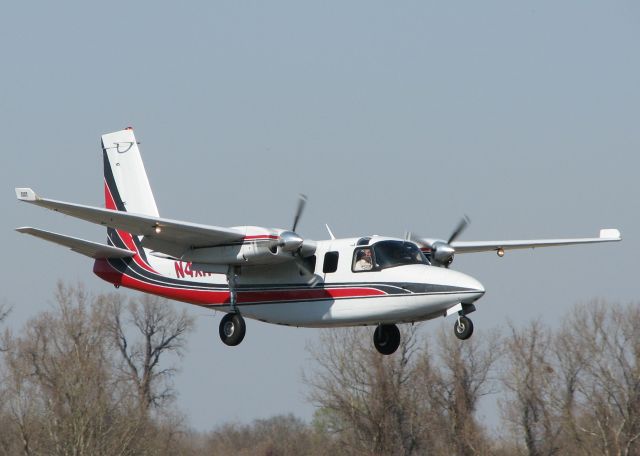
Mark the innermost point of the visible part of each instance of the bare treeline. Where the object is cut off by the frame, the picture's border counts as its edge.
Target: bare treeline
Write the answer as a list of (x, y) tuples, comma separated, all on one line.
[(85, 378), (568, 390), (93, 376), (575, 390), (422, 400)]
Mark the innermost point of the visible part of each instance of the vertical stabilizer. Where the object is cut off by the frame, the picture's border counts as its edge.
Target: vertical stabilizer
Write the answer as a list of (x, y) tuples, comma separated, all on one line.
[(126, 184)]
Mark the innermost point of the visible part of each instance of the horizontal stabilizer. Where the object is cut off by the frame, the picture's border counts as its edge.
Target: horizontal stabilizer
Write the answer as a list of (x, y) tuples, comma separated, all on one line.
[(88, 248)]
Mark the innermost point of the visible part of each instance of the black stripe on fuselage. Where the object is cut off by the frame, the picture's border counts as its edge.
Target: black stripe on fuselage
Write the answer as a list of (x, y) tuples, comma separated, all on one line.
[(128, 266)]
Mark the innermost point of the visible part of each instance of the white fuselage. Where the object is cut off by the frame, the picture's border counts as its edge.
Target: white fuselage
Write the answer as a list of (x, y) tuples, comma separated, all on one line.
[(280, 293)]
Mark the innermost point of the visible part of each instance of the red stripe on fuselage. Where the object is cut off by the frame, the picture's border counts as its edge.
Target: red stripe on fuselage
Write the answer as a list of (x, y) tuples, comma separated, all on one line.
[(105, 271), (214, 297), (245, 297)]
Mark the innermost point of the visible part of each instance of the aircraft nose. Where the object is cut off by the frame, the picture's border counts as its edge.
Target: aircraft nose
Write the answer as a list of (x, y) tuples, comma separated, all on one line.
[(458, 279)]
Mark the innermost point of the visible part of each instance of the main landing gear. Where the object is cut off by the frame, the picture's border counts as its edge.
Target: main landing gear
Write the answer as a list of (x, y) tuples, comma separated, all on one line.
[(232, 326), (232, 329), (386, 338)]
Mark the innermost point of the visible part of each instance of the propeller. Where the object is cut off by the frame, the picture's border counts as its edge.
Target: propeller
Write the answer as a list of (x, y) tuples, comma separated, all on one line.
[(442, 252), (290, 241)]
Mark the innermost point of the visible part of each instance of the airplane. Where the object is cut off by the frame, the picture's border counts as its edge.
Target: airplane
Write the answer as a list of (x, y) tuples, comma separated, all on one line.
[(270, 274)]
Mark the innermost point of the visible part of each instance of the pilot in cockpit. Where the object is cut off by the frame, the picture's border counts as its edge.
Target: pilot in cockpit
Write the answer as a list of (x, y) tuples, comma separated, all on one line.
[(364, 261)]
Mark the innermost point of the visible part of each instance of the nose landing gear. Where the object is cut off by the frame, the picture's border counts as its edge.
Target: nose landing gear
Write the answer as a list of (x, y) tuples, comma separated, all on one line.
[(463, 328), (386, 338)]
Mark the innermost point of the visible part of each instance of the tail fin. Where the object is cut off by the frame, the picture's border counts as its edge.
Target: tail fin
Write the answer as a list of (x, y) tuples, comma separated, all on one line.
[(126, 184)]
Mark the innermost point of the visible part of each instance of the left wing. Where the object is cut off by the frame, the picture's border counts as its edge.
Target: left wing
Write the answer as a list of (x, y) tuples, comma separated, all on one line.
[(173, 232), (606, 235)]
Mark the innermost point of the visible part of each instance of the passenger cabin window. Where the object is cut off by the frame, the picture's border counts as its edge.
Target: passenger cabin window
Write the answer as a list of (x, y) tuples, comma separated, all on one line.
[(389, 254), (363, 260), (330, 262)]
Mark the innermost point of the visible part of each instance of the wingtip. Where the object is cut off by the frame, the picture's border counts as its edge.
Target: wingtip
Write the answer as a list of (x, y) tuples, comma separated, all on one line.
[(26, 194), (610, 233)]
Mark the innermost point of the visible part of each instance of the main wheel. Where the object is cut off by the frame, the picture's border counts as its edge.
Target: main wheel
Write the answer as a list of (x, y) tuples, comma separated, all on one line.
[(386, 338), (232, 329), (463, 328)]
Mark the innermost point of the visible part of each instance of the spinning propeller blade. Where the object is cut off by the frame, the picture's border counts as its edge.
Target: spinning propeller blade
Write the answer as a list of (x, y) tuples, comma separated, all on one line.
[(462, 225), (302, 201)]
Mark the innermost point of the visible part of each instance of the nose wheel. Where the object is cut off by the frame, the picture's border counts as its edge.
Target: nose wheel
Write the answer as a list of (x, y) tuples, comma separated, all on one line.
[(232, 329), (386, 338), (463, 328)]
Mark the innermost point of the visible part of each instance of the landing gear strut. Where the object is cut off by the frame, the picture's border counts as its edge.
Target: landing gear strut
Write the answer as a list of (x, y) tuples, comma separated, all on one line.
[(232, 329), (463, 328), (386, 338)]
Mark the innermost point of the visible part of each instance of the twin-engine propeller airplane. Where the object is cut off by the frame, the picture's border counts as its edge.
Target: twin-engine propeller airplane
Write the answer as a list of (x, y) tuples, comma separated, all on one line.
[(273, 275)]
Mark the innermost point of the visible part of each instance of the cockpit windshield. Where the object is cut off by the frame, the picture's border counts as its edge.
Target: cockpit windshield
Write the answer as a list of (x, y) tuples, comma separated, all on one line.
[(389, 254)]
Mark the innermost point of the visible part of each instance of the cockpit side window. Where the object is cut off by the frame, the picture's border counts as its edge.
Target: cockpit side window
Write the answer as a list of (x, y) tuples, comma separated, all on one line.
[(363, 259)]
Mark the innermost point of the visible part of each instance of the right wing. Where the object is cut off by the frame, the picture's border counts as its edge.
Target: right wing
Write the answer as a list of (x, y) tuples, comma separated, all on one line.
[(88, 248), (169, 232), (607, 235)]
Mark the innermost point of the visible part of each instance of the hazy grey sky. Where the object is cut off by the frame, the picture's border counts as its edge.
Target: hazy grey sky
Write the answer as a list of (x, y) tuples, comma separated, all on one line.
[(390, 116)]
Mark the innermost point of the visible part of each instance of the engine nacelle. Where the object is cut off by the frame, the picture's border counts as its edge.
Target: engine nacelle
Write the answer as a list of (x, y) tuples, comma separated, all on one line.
[(442, 253), (250, 253), (256, 253)]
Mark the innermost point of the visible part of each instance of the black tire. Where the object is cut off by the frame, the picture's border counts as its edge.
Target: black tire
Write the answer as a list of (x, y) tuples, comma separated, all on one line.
[(463, 328), (232, 329), (386, 338)]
